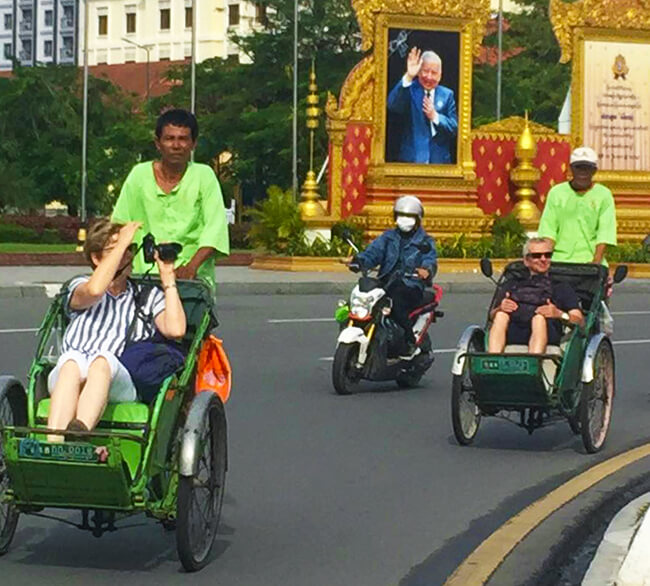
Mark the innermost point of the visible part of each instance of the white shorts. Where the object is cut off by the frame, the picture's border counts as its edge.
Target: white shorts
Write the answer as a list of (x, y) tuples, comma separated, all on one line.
[(121, 390)]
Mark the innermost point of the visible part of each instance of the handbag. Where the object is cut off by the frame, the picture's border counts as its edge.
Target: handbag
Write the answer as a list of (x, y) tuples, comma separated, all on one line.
[(149, 363)]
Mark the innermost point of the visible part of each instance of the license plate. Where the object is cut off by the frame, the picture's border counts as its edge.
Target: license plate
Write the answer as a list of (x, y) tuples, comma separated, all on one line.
[(69, 452), (506, 365)]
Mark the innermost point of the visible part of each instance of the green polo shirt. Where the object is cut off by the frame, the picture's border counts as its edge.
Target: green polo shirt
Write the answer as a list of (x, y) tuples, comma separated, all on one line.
[(192, 213), (578, 222)]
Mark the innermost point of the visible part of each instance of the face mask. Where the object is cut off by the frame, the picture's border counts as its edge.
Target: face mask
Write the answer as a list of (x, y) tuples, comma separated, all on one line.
[(405, 224)]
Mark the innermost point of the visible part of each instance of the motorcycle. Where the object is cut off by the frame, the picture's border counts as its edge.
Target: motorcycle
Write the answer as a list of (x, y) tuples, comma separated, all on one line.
[(370, 343)]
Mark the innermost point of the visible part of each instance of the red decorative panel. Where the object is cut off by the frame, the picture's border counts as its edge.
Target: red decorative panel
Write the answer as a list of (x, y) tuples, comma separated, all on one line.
[(495, 158), (356, 160), (553, 161)]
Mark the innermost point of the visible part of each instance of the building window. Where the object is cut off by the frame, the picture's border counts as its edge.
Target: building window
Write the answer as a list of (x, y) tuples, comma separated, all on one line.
[(165, 19), (26, 24), (188, 17), (102, 24), (47, 48), (260, 14), (67, 21), (7, 51), (233, 14), (9, 22), (67, 49), (26, 53), (49, 18), (130, 22)]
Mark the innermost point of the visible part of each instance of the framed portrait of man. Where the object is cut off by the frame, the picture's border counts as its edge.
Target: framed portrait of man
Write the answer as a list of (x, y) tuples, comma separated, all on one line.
[(422, 100), (611, 101)]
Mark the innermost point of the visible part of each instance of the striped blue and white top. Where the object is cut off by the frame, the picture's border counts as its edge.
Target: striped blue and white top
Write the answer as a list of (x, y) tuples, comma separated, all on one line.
[(104, 325)]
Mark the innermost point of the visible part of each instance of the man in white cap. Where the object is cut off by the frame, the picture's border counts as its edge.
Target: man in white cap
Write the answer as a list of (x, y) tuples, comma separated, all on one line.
[(579, 215)]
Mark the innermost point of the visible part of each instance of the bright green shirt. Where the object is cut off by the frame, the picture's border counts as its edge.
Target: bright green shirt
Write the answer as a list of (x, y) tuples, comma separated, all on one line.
[(192, 213), (578, 222)]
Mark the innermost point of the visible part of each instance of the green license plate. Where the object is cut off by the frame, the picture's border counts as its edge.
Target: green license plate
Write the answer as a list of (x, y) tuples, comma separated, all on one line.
[(505, 365), (69, 452)]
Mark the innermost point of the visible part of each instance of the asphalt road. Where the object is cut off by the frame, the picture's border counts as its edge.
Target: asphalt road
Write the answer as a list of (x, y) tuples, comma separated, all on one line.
[(363, 490)]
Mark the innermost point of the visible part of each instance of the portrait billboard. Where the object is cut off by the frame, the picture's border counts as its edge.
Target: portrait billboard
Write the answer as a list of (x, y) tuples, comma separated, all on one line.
[(422, 99), (421, 111)]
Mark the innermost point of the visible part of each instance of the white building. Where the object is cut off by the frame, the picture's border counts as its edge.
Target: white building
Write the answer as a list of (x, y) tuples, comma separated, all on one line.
[(123, 31), (38, 31)]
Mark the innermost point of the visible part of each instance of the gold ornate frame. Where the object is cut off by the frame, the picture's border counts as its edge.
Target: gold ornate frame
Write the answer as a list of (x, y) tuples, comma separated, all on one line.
[(580, 37), (574, 23), (463, 169)]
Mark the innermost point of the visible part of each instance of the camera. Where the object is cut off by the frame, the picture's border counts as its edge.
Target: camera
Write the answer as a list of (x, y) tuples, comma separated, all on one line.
[(166, 251)]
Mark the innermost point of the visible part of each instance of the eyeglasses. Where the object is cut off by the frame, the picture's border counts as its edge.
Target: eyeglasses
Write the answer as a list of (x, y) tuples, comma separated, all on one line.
[(538, 255)]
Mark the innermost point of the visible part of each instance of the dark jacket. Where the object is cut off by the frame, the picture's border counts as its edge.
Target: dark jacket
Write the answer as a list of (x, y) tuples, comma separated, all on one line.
[(418, 146), (393, 250)]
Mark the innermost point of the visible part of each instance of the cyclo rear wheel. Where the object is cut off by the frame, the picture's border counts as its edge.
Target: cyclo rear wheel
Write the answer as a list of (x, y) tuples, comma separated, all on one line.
[(465, 414), (596, 400), (200, 495), (12, 412)]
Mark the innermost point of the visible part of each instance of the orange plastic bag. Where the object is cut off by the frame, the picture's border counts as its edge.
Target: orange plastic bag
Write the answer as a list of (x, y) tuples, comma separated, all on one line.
[(213, 372)]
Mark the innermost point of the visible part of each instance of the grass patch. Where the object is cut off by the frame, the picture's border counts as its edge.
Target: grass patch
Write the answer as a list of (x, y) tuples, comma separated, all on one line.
[(32, 248)]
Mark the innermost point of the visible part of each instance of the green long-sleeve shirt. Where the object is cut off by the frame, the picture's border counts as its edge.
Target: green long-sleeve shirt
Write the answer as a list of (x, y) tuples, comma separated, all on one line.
[(578, 222)]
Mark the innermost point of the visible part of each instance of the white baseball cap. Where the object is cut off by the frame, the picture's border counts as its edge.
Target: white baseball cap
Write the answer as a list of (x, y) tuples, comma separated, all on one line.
[(584, 154)]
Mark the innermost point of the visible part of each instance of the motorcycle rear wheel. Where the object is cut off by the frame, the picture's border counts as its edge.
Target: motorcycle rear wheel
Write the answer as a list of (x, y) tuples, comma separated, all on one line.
[(344, 377)]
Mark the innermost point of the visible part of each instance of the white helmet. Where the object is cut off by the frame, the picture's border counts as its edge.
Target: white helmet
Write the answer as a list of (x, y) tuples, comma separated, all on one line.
[(408, 204)]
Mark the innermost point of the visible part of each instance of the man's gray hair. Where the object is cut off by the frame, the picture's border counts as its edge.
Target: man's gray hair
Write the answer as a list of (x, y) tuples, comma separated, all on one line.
[(431, 56), (535, 241)]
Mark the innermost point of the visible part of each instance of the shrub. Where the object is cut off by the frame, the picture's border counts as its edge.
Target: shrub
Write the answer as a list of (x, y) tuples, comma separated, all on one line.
[(16, 233), (628, 252), (277, 225), (239, 235), (67, 227)]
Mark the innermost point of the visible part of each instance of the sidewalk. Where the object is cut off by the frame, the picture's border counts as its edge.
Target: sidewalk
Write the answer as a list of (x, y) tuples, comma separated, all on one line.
[(34, 281)]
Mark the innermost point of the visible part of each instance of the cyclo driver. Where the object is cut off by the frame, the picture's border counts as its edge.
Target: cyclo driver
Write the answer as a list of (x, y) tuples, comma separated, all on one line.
[(408, 249)]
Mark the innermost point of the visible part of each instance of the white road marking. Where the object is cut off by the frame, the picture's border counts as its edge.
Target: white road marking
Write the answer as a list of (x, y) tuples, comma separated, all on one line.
[(452, 350), (19, 331), (299, 320), (641, 312)]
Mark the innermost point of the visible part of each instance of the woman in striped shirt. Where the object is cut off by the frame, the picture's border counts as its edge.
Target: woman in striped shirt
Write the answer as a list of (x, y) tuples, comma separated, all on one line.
[(101, 308)]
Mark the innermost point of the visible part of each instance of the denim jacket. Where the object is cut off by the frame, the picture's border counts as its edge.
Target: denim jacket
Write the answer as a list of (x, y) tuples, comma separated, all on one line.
[(385, 251)]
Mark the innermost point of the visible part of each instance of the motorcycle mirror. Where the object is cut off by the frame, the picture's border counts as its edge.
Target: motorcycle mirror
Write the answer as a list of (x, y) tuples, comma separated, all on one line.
[(620, 273), (486, 267)]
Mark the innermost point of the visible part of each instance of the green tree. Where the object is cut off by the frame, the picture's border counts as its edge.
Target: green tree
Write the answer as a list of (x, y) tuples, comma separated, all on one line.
[(246, 108), (41, 136), (534, 80)]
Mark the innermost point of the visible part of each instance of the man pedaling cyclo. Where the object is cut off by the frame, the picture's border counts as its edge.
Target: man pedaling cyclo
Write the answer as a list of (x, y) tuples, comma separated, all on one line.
[(406, 248)]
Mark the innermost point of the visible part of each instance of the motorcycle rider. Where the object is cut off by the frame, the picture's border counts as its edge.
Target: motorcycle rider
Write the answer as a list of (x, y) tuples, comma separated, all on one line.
[(406, 248)]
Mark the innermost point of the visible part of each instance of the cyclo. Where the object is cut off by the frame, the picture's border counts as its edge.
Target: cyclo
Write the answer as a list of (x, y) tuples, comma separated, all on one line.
[(574, 380), (166, 459)]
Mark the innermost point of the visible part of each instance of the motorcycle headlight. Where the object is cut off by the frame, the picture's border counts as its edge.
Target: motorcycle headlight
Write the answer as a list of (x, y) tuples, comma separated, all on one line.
[(360, 305)]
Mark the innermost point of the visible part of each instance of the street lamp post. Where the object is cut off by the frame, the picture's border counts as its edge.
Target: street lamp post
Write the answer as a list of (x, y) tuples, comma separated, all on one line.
[(499, 58), (193, 64), (294, 165), (145, 48), (81, 236)]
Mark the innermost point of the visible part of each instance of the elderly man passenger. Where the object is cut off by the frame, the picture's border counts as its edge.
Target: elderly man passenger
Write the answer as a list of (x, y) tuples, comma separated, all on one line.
[(533, 311)]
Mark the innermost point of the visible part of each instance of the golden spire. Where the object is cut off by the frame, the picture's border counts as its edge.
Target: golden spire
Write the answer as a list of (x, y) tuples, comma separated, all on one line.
[(525, 176), (310, 206)]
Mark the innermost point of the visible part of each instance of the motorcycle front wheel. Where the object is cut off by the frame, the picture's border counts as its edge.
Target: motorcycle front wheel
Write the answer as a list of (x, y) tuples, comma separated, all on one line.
[(345, 377)]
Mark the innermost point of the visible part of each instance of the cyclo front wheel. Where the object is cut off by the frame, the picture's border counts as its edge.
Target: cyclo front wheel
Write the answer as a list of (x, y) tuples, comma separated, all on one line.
[(465, 414), (202, 480), (13, 411), (596, 400)]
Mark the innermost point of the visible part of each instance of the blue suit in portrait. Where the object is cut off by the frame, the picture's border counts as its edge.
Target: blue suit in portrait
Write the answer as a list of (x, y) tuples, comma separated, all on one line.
[(419, 143)]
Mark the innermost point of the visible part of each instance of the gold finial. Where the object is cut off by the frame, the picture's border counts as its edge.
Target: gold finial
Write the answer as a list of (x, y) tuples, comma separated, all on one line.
[(525, 176), (310, 206)]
